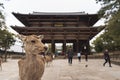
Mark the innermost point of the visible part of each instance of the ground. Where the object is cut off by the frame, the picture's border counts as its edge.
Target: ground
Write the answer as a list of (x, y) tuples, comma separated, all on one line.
[(60, 70)]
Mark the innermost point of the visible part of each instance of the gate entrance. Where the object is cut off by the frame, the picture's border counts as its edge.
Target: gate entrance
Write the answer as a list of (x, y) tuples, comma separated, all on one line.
[(74, 27)]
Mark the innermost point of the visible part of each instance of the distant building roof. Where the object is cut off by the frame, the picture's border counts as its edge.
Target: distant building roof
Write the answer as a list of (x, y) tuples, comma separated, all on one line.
[(58, 13)]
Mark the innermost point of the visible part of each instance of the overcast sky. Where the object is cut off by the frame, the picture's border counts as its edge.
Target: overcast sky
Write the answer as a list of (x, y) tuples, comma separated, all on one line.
[(28, 6)]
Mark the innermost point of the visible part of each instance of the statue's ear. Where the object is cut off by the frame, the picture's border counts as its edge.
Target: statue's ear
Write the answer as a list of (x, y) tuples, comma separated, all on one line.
[(22, 37), (41, 36)]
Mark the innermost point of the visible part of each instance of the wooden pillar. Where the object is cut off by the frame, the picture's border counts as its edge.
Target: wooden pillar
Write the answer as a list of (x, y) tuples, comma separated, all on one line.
[(74, 46), (64, 46), (88, 47), (77, 45), (80, 45), (53, 46)]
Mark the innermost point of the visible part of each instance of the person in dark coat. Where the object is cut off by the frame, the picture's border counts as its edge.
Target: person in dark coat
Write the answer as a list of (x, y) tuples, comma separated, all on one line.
[(70, 55), (86, 56), (107, 58)]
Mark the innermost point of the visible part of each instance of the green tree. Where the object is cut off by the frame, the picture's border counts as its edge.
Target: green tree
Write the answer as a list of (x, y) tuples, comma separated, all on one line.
[(104, 42), (109, 7), (114, 29), (98, 45), (2, 19), (6, 38), (111, 11)]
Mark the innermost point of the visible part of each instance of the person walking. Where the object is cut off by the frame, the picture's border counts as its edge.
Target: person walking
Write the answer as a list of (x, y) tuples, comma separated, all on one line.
[(79, 56), (107, 58), (86, 56), (70, 55)]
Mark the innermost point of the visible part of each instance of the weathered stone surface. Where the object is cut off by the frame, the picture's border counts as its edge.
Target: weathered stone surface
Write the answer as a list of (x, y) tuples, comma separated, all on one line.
[(61, 70)]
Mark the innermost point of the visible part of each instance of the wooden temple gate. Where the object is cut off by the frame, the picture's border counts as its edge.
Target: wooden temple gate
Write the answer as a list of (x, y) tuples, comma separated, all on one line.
[(62, 28)]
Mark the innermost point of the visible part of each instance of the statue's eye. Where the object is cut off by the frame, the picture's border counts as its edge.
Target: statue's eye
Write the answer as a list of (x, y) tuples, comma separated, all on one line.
[(32, 41)]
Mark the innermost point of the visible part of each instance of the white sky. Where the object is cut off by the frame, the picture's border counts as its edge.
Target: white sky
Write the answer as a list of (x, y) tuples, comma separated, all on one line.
[(28, 6)]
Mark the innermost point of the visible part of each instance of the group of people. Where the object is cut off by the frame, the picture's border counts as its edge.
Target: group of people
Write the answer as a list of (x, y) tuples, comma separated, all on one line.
[(70, 55)]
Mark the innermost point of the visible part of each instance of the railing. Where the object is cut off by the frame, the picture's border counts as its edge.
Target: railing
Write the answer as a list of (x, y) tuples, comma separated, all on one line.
[(114, 56)]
